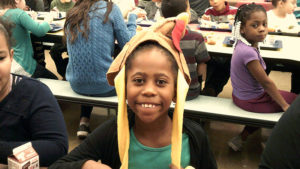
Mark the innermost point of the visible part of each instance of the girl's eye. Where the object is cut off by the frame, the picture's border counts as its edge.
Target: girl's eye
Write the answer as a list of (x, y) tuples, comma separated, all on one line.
[(2, 57), (138, 80), (265, 24), (161, 82), (254, 25)]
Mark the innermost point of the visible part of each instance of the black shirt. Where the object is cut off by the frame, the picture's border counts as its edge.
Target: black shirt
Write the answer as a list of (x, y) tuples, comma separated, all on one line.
[(283, 147)]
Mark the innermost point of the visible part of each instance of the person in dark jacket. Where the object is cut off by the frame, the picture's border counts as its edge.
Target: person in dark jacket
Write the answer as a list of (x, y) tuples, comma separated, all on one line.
[(283, 146), (28, 110), (152, 71)]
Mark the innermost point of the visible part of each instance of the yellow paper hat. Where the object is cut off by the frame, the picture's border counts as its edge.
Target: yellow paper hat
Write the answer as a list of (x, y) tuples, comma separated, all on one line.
[(116, 76)]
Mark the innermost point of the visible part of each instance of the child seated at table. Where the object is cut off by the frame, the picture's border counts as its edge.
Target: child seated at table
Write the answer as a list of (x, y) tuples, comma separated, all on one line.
[(281, 17), (192, 46), (23, 62), (28, 110), (218, 68), (92, 28), (148, 74), (253, 90), (220, 11)]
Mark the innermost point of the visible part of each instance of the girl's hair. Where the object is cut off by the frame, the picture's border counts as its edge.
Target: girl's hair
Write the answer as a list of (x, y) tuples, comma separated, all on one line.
[(244, 12), (79, 15), (8, 3), (6, 30), (150, 45), (275, 2)]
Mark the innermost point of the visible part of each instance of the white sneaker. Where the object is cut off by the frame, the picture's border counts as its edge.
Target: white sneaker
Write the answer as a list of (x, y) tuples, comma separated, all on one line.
[(236, 143), (83, 131)]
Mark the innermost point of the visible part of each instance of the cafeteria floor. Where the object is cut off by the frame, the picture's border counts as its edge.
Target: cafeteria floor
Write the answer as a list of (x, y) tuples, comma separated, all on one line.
[(219, 132)]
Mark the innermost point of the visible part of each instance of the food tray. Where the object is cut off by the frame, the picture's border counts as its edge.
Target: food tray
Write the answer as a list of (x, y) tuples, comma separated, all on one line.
[(215, 26), (145, 23), (285, 33), (41, 16), (276, 45), (55, 28)]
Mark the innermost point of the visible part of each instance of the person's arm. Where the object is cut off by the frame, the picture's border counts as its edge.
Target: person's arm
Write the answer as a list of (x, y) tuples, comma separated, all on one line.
[(38, 29), (206, 15), (201, 55), (260, 75), (201, 70), (123, 33), (45, 125)]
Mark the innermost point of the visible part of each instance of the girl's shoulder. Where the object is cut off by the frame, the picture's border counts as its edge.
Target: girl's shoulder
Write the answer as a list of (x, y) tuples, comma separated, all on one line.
[(243, 49), (12, 13)]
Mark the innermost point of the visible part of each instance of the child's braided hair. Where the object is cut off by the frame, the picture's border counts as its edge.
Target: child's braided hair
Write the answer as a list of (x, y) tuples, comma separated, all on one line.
[(244, 11), (242, 15)]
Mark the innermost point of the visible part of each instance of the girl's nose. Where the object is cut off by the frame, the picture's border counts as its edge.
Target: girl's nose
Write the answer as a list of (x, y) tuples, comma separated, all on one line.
[(149, 90), (262, 28)]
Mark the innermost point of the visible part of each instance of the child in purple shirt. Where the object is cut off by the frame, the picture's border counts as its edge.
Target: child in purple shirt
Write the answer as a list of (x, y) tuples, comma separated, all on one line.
[(253, 90)]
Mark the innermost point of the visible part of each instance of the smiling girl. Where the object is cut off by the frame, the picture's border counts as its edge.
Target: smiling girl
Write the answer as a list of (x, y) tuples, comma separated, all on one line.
[(148, 74)]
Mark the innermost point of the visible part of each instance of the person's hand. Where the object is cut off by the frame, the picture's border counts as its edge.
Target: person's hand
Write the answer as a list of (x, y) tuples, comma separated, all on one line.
[(55, 9), (285, 107), (172, 166), (205, 17), (26, 8), (90, 164), (140, 13)]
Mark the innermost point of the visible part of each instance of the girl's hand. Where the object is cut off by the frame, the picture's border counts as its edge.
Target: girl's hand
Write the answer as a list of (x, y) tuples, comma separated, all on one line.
[(172, 166), (91, 164), (285, 107)]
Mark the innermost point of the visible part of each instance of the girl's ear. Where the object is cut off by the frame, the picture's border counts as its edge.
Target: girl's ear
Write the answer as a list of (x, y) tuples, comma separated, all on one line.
[(11, 54), (242, 30), (175, 95), (17, 1), (280, 3)]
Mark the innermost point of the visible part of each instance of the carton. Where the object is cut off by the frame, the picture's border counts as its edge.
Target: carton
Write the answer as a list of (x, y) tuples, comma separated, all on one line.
[(23, 157)]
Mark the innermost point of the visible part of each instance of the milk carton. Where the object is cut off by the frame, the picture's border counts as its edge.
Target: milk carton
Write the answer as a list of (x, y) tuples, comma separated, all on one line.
[(23, 157)]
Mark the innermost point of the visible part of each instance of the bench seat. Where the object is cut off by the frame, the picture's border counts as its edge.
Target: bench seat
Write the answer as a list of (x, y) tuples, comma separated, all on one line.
[(203, 107)]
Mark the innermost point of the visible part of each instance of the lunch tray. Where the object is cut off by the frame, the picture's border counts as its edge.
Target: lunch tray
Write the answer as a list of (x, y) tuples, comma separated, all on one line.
[(215, 28), (277, 45), (42, 16), (55, 28)]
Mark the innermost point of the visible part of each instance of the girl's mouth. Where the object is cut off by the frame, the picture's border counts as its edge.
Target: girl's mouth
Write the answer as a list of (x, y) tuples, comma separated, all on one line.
[(148, 105)]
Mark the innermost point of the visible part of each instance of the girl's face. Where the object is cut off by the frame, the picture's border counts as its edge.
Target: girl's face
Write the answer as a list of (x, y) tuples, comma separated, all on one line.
[(289, 6), (21, 4), (150, 85), (255, 29), (6, 56)]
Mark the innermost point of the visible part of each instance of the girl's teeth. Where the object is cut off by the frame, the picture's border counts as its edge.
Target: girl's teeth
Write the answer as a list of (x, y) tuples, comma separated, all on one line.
[(148, 105)]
